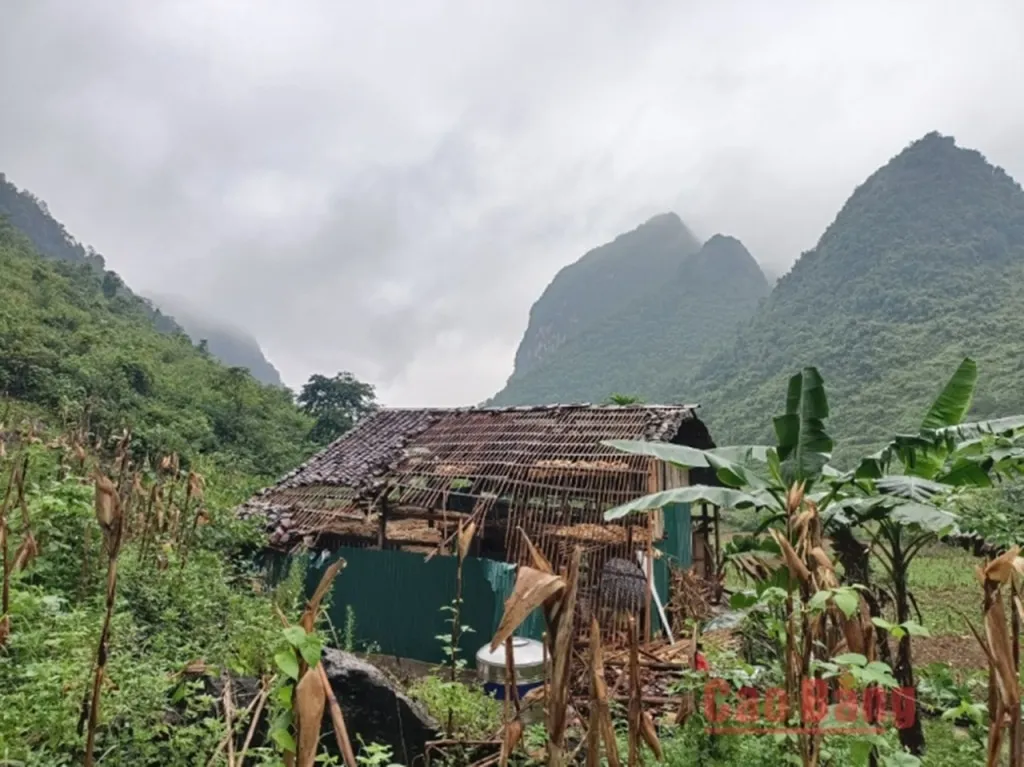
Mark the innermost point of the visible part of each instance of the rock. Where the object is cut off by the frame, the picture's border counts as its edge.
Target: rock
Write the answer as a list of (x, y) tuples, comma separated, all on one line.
[(376, 709)]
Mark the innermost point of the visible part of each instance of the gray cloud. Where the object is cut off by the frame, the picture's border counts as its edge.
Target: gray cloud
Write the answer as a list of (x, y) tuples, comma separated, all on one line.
[(387, 191)]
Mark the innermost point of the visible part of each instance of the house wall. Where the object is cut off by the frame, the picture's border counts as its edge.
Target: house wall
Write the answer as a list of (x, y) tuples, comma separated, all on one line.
[(397, 600), (676, 545)]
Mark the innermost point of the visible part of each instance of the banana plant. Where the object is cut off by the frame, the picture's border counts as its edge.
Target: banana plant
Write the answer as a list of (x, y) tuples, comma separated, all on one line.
[(751, 476), (896, 496)]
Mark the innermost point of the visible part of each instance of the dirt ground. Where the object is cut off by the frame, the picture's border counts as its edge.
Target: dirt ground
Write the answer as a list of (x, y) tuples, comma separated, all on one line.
[(959, 651)]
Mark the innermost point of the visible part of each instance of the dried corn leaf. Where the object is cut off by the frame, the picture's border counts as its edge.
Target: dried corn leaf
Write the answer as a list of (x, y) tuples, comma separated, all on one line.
[(310, 701), (533, 588), (821, 558), (195, 485), (802, 520), (650, 735), (511, 734), (796, 566), (998, 636), (995, 737), (601, 725), (1001, 568), (561, 655), (466, 533), (687, 708), (855, 633), (540, 562), (107, 503), (313, 606), (27, 552)]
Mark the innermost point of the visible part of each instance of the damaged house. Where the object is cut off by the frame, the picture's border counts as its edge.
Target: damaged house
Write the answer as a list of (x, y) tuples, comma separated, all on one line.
[(390, 497)]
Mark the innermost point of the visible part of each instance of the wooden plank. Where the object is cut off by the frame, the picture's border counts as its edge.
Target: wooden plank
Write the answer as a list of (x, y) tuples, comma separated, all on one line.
[(655, 484), (718, 542)]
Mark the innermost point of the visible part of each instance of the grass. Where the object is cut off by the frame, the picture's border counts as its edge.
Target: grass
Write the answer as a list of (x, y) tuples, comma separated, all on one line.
[(944, 583)]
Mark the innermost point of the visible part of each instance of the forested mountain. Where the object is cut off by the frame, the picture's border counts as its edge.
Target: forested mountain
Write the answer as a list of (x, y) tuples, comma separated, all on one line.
[(32, 218), (682, 299), (231, 345), (602, 283), (923, 265), (85, 352)]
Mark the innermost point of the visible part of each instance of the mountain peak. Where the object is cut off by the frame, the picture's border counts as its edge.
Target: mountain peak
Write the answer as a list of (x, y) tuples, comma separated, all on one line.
[(651, 295), (722, 255), (669, 220), (603, 281)]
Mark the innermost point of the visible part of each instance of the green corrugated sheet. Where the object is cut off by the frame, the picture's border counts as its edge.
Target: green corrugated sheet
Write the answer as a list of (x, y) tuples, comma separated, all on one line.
[(677, 550), (396, 597)]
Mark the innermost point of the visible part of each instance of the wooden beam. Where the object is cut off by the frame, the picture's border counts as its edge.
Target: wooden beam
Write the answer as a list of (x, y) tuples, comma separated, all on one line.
[(718, 542)]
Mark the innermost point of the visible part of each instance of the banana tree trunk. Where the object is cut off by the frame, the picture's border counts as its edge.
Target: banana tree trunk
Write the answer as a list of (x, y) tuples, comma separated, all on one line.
[(853, 555), (912, 737)]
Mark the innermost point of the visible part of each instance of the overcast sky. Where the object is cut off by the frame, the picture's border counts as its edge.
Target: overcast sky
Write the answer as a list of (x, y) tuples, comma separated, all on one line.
[(387, 187)]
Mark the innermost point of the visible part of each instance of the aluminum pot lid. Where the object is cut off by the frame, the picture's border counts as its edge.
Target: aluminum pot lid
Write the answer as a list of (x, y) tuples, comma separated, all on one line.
[(525, 652)]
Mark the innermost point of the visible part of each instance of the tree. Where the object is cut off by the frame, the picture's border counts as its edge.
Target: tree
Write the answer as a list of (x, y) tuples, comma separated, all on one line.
[(624, 399), (336, 403)]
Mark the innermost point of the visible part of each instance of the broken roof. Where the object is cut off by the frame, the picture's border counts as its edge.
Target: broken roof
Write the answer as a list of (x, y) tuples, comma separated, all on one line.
[(423, 451)]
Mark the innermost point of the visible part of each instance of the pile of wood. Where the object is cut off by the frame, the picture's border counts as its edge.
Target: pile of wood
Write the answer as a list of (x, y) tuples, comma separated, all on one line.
[(691, 598)]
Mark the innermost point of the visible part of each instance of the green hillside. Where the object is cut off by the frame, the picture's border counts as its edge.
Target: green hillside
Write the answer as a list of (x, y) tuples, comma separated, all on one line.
[(923, 265), (31, 216), (76, 345), (645, 343)]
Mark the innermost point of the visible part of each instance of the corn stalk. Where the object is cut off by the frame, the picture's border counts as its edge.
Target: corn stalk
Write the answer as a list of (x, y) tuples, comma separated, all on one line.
[(813, 637), (110, 516), (1001, 644), (538, 586)]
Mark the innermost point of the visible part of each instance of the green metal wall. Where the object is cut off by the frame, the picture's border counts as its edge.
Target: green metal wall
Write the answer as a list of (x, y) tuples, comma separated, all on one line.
[(677, 551), (396, 597)]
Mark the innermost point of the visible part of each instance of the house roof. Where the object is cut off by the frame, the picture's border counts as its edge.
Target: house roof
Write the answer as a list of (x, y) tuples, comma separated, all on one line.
[(422, 452)]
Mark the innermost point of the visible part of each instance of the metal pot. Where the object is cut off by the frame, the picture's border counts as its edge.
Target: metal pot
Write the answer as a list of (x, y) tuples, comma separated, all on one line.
[(527, 658)]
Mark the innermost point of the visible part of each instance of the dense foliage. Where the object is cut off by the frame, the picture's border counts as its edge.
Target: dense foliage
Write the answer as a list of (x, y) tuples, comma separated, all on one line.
[(171, 612), (90, 355), (642, 344), (30, 215)]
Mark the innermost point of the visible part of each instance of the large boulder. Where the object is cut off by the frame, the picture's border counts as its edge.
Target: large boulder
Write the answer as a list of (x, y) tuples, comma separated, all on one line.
[(376, 709)]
